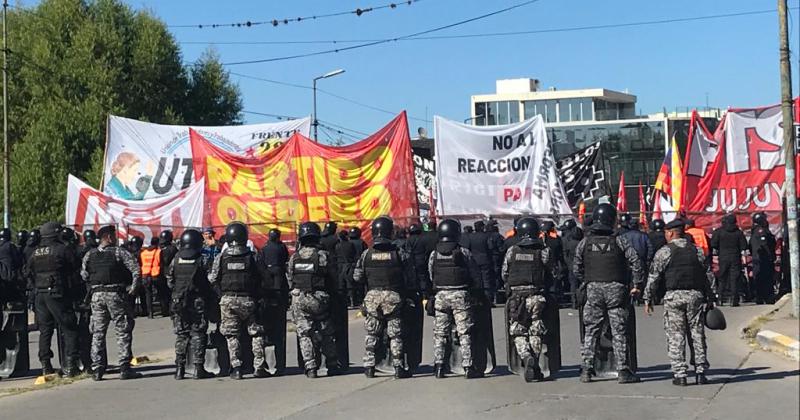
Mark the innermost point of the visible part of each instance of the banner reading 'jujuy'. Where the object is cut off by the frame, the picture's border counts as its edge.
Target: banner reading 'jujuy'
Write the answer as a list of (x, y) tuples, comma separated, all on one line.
[(303, 180)]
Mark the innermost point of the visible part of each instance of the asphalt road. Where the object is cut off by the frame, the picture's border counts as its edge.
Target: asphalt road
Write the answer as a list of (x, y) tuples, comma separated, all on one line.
[(746, 384)]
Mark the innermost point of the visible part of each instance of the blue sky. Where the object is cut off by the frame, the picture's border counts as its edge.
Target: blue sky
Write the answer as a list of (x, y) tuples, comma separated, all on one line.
[(733, 60)]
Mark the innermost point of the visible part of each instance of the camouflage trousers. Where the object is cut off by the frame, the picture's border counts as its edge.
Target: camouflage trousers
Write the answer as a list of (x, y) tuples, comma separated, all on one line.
[(606, 299), (453, 307), (528, 338), (237, 312), (108, 307), (312, 320), (189, 326), (683, 312), (383, 309)]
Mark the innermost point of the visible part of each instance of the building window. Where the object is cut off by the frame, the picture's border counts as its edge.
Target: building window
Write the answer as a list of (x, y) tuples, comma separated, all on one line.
[(586, 109), (550, 113), (533, 108), (496, 113)]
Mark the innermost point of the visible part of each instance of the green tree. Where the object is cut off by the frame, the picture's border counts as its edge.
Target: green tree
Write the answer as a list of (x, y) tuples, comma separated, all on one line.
[(74, 62)]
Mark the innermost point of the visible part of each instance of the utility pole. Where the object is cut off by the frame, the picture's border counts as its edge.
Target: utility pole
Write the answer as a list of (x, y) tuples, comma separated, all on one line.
[(789, 152), (6, 166)]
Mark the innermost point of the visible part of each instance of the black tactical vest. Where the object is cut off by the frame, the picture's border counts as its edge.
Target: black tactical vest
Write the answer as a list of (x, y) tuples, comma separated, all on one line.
[(49, 266), (384, 269), (525, 268), (188, 272), (308, 274), (603, 260), (684, 271), (105, 270), (450, 271), (235, 274)]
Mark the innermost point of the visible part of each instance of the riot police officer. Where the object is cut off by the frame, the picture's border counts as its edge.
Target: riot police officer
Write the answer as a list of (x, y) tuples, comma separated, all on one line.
[(22, 239), (52, 268), (188, 279), (33, 241), (729, 242), (168, 251), (275, 256), (312, 274), (477, 243), (525, 273), (106, 269), (237, 275), (454, 277), (388, 274), (89, 242), (418, 249), (329, 239), (602, 261), (656, 236), (762, 250), (571, 235)]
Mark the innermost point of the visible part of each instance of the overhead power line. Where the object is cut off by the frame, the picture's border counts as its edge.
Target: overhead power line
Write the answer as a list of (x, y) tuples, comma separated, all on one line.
[(287, 20), (383, 41)]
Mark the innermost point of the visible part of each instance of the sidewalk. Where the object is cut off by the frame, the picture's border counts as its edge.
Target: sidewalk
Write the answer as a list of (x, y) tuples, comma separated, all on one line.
[(779, 331)]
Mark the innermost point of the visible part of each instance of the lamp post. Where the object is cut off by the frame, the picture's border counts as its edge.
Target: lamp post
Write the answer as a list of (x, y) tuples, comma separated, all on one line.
[(314, 88)]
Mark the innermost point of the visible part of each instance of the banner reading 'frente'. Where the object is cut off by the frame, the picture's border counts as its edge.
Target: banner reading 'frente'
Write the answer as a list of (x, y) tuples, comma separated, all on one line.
[(505, 169), (304, 180)]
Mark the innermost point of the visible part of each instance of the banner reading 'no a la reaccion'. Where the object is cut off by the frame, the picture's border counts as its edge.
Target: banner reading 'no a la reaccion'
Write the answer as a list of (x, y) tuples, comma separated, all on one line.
[(304, 180), (505, 169)]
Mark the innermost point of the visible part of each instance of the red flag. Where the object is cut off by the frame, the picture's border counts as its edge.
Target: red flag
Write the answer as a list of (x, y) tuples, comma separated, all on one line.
[(656, 207), (642, 207), (622, 205)]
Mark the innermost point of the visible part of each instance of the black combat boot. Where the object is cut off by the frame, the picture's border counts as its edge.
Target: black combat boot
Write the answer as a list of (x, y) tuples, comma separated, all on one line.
[(586, 375), (334, 370), (261, 373), (126, 372), (530, 373), (200, 372), (47, 367), (236, 373), (400, 373), (311, 373), (701, 379), (71, 370), (438, 371), (180, 372), (98, 373), (679, 381), (369, 371), (627, 377), (472, 373)]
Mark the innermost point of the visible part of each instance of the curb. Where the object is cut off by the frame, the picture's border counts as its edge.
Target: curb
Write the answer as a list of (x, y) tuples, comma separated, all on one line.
[(779, 343), (753, 323)]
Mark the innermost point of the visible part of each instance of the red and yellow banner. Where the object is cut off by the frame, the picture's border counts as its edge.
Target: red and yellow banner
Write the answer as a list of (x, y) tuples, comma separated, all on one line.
[(303, 180)]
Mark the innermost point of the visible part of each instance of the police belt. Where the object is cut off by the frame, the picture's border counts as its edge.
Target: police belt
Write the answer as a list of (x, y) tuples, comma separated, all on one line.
[(51, 290), (528, 289), (385, 288), (237, 294), (109, 288)]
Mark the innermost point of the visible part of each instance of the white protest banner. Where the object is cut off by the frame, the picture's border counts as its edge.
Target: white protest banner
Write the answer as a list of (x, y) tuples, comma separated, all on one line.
[(145, 160), (505, 169), (88, 208)]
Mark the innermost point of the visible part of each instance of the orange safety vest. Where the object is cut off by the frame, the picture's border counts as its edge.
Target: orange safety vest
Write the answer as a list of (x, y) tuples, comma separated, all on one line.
[(151, 262), (700, 238)]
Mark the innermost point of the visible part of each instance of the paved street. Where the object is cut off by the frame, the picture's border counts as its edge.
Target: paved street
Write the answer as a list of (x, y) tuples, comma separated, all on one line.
[(746, 384)]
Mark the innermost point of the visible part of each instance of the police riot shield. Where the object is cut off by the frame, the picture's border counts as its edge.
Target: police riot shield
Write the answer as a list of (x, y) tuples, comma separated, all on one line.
[(413, 319), (213, 363), (550, 359), (273, 319), (484, 358), (14, 360), (605, 363)]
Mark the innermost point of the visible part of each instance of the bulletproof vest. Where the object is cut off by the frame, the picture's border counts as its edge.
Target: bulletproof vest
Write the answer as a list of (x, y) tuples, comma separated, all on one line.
[(49, 265), (684, 271), (525, 267), (657, 239), (235, 273), (275, 254), (384, 269), (762, 244), (478, 244), (729, 240), (308, 275), (105, 270), (188, 273), (345, 253), (603, 260), (450, 270)]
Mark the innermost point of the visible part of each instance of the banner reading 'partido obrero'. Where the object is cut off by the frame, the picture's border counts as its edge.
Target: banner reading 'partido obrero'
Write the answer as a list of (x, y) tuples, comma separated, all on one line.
[(304, 180)]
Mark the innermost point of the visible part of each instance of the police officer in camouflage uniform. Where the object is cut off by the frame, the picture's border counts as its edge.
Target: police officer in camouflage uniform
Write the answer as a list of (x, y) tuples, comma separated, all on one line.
[(388, 273), (525, 273), (680, 269), (107, 269), (312, 275), (187, 277), (238, 276), (453, 276), (52, 268), (602, 261)]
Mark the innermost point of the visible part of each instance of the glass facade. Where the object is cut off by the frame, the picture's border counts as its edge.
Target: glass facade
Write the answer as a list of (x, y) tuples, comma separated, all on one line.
[(496, 113)]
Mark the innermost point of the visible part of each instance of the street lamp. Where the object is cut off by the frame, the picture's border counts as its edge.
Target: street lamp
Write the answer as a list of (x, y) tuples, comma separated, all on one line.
[(467, 120), (324, 76)]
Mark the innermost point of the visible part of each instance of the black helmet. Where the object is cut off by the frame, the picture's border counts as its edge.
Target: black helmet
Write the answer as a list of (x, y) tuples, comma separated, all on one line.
[(309, 231), (89, 237), (449, 230), (715, 319), (67, 235), (468, 229), (382, 228), (729, 219), (192, 239), (5, 234), (355, 233), (548, 226), (605, 214), (22, 238), (625, 220), (236, 234), (569, 224), (51, 230), (330, 229), (166, 237), (274, 235), (527, 227), (658, 225), (760, 219), (415, 229), (136, 243), (34, 237), (480, 226)]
